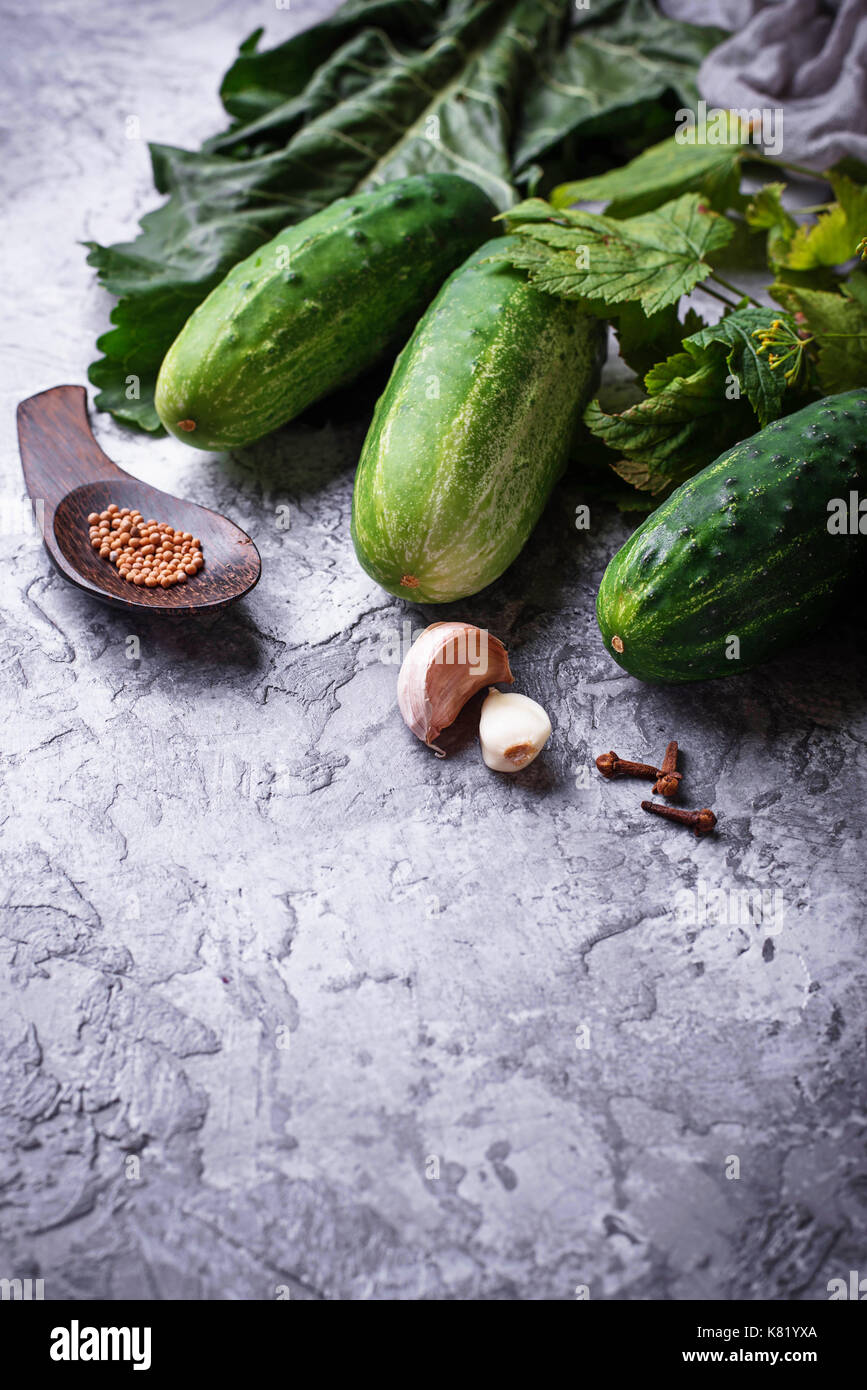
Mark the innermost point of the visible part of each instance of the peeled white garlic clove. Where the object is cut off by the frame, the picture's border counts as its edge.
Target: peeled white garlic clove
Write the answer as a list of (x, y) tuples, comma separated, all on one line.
[(444, 668), (512, 730)]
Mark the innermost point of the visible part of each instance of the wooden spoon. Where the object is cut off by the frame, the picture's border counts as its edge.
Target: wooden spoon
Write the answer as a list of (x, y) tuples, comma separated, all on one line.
[(69, 475)]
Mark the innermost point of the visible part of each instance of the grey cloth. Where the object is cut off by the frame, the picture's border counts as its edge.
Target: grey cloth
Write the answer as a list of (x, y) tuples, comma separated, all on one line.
[(805, 56)]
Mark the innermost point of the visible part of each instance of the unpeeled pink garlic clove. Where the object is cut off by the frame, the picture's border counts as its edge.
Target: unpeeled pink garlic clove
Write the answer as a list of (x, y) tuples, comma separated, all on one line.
[(442, 670)]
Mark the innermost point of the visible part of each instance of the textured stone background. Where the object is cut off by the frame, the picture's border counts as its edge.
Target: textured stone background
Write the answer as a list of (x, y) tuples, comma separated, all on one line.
[(257, 938)]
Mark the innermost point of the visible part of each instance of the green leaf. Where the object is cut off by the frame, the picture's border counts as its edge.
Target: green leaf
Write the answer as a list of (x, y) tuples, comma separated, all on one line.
[(623, 59), (258, 83), (677, 429), (746, 252), (763, 387), (833, 238), (658, 175), (851, 196), (383, 88), (538, 210), (856, 287), (765, 210), (829, 241), (698, 401), (645, 340), (652, 259), (838, 323), (553, 271)]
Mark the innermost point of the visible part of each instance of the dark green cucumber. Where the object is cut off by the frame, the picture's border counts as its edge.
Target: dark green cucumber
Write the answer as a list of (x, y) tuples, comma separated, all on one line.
[(750, 549), (315, 307), (472, 431)]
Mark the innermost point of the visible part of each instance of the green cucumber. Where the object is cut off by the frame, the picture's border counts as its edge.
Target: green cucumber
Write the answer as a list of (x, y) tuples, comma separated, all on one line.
[(472, 431), (752, 549), (315, 307)]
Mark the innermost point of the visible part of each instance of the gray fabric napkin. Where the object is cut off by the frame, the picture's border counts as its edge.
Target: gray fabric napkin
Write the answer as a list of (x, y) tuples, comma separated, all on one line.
[(808, 57)]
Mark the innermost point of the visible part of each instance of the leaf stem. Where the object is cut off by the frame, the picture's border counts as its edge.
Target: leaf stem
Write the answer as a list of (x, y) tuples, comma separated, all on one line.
[(734, 289), (723, 298), (786, 164)]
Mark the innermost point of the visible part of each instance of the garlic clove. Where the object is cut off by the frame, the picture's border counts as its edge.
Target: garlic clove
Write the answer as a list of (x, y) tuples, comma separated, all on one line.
[(513, 729), (444, 668)]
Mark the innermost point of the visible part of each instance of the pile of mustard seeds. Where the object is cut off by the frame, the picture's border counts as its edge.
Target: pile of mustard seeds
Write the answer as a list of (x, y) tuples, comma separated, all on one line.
[(151, 553)]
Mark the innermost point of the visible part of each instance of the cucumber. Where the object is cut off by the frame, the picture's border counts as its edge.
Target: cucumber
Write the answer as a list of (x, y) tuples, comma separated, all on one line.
[(472, 431), (747, 549), (315, 307)]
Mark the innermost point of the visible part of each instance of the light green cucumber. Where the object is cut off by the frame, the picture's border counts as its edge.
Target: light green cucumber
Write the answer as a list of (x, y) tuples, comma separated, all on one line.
[(472, 431)]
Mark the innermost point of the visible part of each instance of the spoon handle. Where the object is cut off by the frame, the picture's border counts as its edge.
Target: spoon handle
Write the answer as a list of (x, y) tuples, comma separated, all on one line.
[(58, 450)]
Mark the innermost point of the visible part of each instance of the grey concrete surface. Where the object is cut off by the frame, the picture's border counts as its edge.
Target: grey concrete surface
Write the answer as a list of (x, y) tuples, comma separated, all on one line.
[(286, 1003)]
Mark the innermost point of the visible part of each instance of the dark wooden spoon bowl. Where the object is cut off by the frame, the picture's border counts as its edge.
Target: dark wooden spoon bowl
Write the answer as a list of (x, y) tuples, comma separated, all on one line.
[(69, 476)]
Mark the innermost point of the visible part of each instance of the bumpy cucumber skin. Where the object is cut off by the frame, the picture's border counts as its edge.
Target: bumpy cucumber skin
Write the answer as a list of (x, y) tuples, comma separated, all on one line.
[(472, 431), (315, 307), (742, 549)]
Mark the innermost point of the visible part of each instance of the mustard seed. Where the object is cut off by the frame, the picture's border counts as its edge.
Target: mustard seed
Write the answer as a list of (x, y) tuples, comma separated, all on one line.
[(150, 553)]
